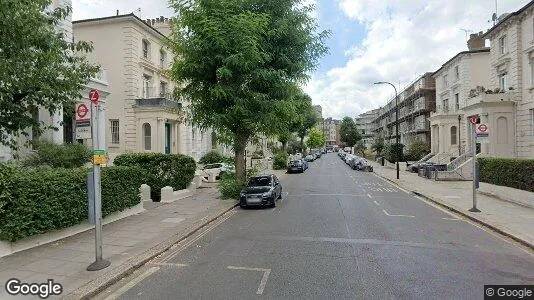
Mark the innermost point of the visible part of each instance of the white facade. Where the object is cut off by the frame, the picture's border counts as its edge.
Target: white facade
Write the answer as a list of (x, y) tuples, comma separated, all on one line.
[(511, 115), (143, 115), (454, 81), (365, 123)]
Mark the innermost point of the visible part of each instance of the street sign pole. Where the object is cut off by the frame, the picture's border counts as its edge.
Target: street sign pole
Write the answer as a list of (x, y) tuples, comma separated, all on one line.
[(96, 134), (474, 146)]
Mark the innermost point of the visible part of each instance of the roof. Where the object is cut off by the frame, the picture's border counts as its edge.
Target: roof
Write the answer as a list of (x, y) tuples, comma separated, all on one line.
[(515, 13), (461, 53), (117, 17)]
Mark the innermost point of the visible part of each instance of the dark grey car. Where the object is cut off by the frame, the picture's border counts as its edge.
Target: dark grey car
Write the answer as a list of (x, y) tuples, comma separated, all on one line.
[(261, 190)]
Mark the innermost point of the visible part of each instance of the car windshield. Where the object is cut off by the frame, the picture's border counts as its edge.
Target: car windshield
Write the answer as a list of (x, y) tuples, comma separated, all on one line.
[(296, 162), (259, 181)]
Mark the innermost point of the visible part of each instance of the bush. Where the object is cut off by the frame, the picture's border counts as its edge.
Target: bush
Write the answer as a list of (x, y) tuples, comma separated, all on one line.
[(510, 172), (211, 157), (58, 156), (418, 149), (40, 200), (174, 170), (394, 152), (230, 187), (280, 160)]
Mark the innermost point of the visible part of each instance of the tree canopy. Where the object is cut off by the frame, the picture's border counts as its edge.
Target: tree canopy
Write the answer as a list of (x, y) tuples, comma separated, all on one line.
[(316, 139), (348, 132), (238, 62), (37, 66)]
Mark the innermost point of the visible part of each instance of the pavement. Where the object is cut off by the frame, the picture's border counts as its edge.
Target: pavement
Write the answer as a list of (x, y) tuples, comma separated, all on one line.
[(335, 234), (127, 243), (508, 218)]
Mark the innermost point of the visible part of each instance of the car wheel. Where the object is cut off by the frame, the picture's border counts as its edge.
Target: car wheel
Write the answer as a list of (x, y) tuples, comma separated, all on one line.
[(273, 204), (243, 206)]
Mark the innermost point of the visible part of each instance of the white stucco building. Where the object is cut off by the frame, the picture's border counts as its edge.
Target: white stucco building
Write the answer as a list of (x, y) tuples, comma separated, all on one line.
[(143, 114), (365, 123), (467, 70)]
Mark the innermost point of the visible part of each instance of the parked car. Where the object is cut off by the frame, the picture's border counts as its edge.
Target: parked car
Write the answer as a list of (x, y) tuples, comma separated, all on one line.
[(298, 156), (348, 158), (299, 165), (217, 169), (361, 164), (261, 190), (309, 158)]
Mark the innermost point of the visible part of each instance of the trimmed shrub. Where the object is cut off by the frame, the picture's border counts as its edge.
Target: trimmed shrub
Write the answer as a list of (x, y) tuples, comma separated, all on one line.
[(212, 157), (394, 152), (230, 187), (40, 200), (510, 172), (174, 170), (280, 160), (58, 156)]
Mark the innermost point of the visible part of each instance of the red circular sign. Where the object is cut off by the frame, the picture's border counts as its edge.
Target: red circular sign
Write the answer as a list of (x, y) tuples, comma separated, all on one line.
[(94, 95), (482, 128), (473, 119), (82, 110)]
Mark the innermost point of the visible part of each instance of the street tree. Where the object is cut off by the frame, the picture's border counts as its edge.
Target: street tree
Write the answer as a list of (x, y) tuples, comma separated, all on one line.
[(308, 118), (238, 61), (37, 67), (348, 132), (360, 148), (378, 144), (316, 139)]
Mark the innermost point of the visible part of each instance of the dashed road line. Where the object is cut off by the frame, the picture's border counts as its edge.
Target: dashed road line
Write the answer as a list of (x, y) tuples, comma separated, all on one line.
[(132, 283), (263, 282), (390, 215), (368, 195), (376, 202), (451, 219)]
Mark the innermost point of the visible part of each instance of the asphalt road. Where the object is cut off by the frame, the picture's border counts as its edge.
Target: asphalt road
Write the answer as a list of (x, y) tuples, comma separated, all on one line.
[(337, 234)]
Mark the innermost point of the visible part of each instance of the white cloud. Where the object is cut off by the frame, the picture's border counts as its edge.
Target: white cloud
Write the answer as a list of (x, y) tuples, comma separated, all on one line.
[(404, 39)]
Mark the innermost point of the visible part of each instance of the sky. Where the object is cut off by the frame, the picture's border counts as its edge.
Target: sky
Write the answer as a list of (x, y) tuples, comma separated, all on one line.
[(371, 40)]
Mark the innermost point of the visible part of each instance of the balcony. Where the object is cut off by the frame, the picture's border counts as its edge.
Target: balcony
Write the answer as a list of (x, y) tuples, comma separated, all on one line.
[(151, 97), (488, 98)]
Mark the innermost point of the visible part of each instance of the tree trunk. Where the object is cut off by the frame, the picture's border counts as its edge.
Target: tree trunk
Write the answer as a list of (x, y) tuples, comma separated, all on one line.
[(240, 145), (284, 144), (302, 145)]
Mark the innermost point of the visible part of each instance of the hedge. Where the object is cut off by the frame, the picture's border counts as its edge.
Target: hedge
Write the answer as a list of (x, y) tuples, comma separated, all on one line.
[(510, 172), (36, 201), (58, 156), (214, 157), (280, 160), (394, 152), (174, 170)]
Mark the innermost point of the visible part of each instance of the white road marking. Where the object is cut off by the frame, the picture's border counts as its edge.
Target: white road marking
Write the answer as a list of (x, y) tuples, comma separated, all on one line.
[(170, 265), (376, 202), (389, 215), (180, 249), (368, 195), (453, 197), (452, 219), (304, 195), (263, 282), (132, 283)]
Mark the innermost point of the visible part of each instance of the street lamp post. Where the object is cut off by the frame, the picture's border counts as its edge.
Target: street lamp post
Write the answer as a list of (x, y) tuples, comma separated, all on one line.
[(396, 121)]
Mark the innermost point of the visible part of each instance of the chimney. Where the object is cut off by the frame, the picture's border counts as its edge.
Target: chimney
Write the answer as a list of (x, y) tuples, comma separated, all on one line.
[(476, 41)]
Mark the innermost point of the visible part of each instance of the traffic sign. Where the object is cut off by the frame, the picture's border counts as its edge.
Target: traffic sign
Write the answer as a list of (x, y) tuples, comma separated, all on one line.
[(482, 128), (94, 96), (473, 119), (82, 110)]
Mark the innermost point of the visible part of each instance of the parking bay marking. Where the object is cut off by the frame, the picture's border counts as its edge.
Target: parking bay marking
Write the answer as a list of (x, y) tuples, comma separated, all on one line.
[(263, 282), (132, 283), (390, 215)]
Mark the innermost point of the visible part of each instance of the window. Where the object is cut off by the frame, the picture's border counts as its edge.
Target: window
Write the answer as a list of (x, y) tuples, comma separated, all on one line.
[(532, 72), (445, 81), (457, 72), (531, 113), (146, 86), (147, 137), (502, 45), (446, 105), (457, 101), (115, 133), (454, 135), (162, 58), (146, 49), (162, 89), (503, 82)]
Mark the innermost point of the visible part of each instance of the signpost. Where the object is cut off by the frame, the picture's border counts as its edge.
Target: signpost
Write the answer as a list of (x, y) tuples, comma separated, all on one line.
[(99, 158), (83, 122), (476, 129)]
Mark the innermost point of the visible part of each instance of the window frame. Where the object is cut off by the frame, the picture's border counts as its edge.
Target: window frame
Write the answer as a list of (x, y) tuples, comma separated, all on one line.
[(145, 52), (503, 47), (145, 136), (454, 141), (115, 136)]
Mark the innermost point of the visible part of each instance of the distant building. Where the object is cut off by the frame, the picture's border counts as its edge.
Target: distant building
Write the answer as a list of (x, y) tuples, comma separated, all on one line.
[(330, 129), (319, 110), (366, 125)]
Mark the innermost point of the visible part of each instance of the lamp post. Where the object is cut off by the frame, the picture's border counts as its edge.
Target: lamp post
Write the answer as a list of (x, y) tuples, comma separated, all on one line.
[(396, 121), (459, 147)]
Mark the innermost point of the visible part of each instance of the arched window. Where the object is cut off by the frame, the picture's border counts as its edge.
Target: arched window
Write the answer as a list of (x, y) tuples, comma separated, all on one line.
[(454, 135), (147, 136)]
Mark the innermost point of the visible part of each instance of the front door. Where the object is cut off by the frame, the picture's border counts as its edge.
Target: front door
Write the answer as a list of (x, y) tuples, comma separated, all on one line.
[(167, 138)]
